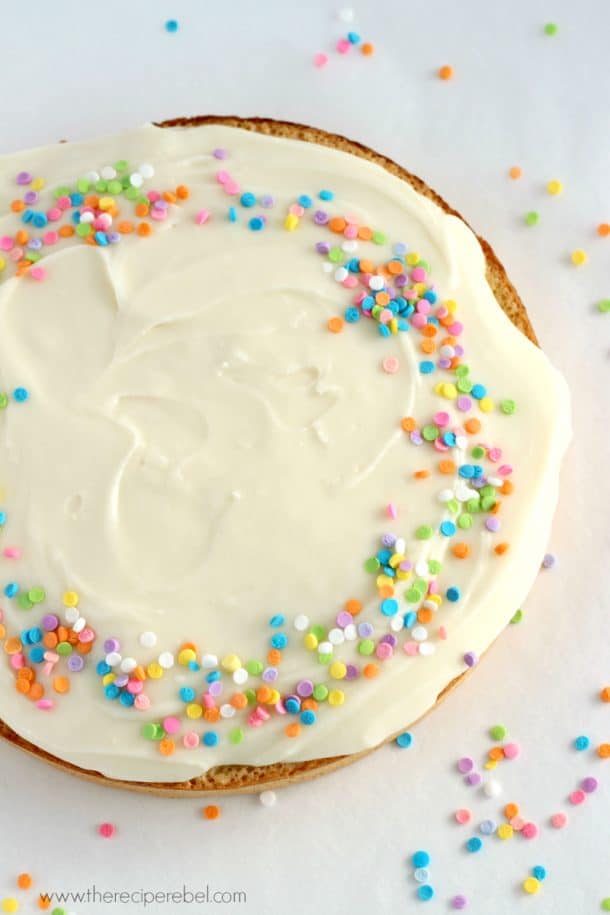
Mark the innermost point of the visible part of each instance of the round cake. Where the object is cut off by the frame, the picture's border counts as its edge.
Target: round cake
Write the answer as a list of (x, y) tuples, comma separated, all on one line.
[(278, 453)]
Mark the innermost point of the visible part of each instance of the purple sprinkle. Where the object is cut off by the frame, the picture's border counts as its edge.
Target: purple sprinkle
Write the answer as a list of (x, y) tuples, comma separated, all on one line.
[(549, 561), (459, 902), (320, 217), (215, 688), (389, 639), (35, 244), (473, 778), (322, 247), (415, 437), (111, 645), (75, 663), (388, 539), (220, 153), (50, 622), (465, 764), (459, 350), (406, 565), (266, 201), (351, 672), (30, 197), (401, 280), (444, 363), (471, 659), (160, 204), (304, 688), (478, 483), (493, 524), (24, 178), (464, 403), (365, 630), (343, 619), (270, 674), (113, 237), (589, 784), (121, 680)]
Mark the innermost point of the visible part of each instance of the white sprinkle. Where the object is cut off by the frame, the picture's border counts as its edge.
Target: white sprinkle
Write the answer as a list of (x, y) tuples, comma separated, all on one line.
[(113, 658), (427, 648), (400, 545), (240, 675), (492, 788), (346, 14), (108, 173), (301, 622), (350, 246), (396, 623), (148, 639), (136, 179), (421, 568), (227, 711), (71, 615), (336, 636), (128, 664), (146, 170), (376, 283), (209, 660), (166, 660), (325, 648), (341, 274), (79, 624), (350, 632), (87, 217), (419, 633), (267, 798), (445, 495), (92, 177)]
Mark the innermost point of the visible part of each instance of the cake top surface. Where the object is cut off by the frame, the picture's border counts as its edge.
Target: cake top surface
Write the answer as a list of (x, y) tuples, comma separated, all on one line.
[(276, 467)]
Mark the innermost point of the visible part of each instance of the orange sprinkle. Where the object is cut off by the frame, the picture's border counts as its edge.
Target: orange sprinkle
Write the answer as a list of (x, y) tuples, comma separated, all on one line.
[(263, 694), (292, 730), (22, 685), (26, 673), (408, 424), (515, 172), (370, 671), (49, 640), (125, 227), (603, 750), (496, 753), (169, 197), (274, 657), (510, 811), (337, 224), (421, 474), (386, 591), (36, 692), (24, 881), (603, 229), (61, 684), (353, 606), (446, 72), (367, 48), (239, 700), (17, 206), (335, 324), (144, 229), (472, 426), (382, 298), (44, 902), (460, 550), (211, 714), (447, 466), (605, 694), (66, 231), (211, 812), (429, 330), (507, 488), (2, 631), (366, 266), (84, 647), (310, 704), (142, 209), (501, 548), (21, 237), (182, 192), (427, 346), (365, 234), (138, 672), (92, 201), (12, 645), (395, 267), (62, 633), (167, 746), (424, 615)]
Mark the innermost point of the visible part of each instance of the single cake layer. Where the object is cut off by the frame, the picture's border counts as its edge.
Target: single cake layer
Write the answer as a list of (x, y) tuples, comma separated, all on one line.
[(195, 468)]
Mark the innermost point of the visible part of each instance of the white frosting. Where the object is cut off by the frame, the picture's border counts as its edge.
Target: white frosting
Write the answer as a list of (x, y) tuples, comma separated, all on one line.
[(199, 453)]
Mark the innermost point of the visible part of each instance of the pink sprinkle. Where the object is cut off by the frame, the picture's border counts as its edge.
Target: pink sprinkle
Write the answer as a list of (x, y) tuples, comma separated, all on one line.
[(392, 510), (442, 633), (505, 470), (418, 275), (86, 635), (158, 214), (463, 816), (577, 797), (54, 214), (190, 740), (153, 196), (494, 454), (441, 419), (390, 365), (202, 217), (135, 687), (296, 209), (171, 725), (411, 648), (343, 45), (17, 661), (529, 831), (320, 60), (517, 823), (231, 187), (418, 320), (350, 232), (222, 176), (16, 254), (45, 705), (350, 281), (559, 820), (63, 203), (142, 702), (50, 238), (6, 243), (512, 750), (384, 651), (38, 273), (106, 830), (12, 552)]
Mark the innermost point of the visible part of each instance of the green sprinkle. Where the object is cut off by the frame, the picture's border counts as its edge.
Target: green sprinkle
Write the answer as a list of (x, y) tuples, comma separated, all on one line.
[(33, 256), (461, 371), (325, 658), (606, 904), (236, 735), (430, 433), (62, 191), (487, 490), (532, 218), (379, 238), (434, 566), (82, 185), (424, 532), (604, 306), (498, 732), (424, 264), (64, 648), (421, 586), (319, 632), (464, 522), (320, 692), (551, 28), (453, 506), (336, 255), (131, 193), (478, 452), (122, 165), (149, 730), (509, 406), (372, 564), (250, 696), (3, 401), (412, 595), (101, 186), (487, 503), (24, 602), (464, 385), (114, 187), (254, 668), (517, 617), (84, 229), (366, 647), (474, 505)]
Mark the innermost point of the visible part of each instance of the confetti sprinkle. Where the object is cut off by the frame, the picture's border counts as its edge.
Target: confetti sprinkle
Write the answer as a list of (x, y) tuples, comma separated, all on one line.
[(106, 830), (579, 257), (24, 881), (554, 188), (549, 561), (405, 740), (515, 172), (445, 72), (172, 25), (532, 218), (551, 28), (268, 798), (604, 306), (211, 812)]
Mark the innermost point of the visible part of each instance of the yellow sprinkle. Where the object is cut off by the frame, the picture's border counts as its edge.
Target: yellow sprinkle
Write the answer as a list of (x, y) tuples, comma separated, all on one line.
[(579, 257), (384, 581), (37, 184), (413, 258), (401, 574), (70, 599), (2, 264), (336, 697), (108, 678), (451, 306), (337, 670), (310, 641), (194, 710), (449, 391), (186, 656), (393, 325), (10, 904), (505, 831), (396, 559), (274, 697), (231, 662), (491, 764), (486, 404), (554, 187), (531, 885), (291, 222), (154, 670)]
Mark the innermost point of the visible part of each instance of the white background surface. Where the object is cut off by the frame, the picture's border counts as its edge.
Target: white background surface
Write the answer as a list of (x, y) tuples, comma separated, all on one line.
[(340, 845)]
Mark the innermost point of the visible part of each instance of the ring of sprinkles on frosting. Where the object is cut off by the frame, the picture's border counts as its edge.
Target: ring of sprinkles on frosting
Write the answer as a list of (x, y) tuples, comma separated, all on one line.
[(388, 289)]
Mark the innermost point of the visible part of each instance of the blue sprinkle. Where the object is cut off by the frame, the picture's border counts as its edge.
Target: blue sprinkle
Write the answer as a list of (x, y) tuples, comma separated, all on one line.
[(453, 593), (75, 217), (448, 528), (213, 676), (384, 330), (582, 743), (384, 556), (425, 892), (21, 394), (111, 691), (308, 717), (232, 214), (27, 216), (35, 635), (102, 668), (210, 739), (487, 827), (126, 698), (11, 589), (426, 367), (466, 471), (400, 249), (352, 315), (2, 517), (171, 25), (389, 606), (39, 220), (410, 619), (353, 37), (326, 195), (474, 844), (305, 201), (187, 693), (292, 705), (101, 238), (420, 859), (278, 620), (279, 640), (77, 199), (404, 740), (257, 223), (368, 301), (247, 199), (193, 665), (449, 439), (478, 391), (431, 296), (37, 655), (539, 872)]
